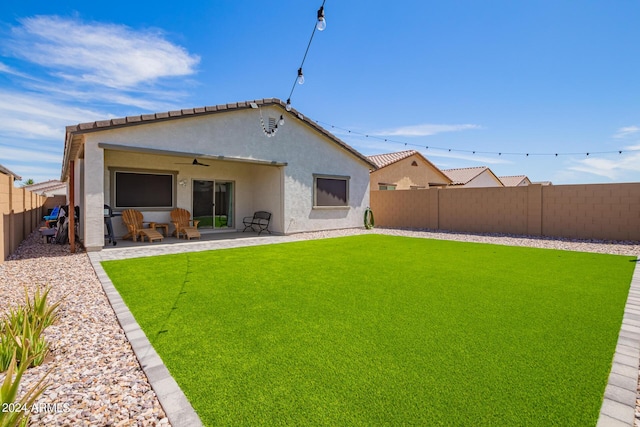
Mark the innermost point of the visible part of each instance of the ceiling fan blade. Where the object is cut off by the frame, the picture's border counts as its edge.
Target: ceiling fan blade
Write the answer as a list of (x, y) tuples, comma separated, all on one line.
[(195, 162)]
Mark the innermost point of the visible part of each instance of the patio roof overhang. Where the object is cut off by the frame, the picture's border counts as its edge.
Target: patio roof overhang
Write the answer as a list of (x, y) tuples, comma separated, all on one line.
[(146, 150)]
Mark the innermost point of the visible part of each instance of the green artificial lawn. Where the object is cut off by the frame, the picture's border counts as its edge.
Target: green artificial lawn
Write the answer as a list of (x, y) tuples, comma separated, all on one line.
[(207, 221), (379, 330)]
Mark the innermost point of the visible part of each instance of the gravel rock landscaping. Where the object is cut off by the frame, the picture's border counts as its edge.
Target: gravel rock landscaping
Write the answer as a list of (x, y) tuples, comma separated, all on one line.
[(95, 378)]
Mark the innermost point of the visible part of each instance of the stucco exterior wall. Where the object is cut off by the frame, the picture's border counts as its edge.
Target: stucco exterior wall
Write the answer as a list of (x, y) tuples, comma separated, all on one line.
[(405, 176), (249, 181), (485, 179), (286, 191)]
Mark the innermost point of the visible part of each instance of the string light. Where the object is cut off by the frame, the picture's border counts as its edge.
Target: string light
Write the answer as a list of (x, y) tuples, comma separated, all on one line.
[(495, 153), (272, 129), (319, 25), (322, 23)]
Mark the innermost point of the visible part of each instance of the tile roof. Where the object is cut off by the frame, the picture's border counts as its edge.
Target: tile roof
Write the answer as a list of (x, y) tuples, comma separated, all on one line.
[(6, 171), (462, 176), (71, 146), (382, 160), (512, 181), (50, 185)]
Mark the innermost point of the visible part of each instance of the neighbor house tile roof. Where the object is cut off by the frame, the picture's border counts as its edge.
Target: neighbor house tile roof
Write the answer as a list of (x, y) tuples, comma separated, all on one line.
[(43, 187), (6, 171), (382, 160), (462, 176), (513, 181), (72, 143)]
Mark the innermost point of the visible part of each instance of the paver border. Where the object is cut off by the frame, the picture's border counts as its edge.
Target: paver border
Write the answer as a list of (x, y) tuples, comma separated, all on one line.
[(619, 404), (617, 410), (173, 401)]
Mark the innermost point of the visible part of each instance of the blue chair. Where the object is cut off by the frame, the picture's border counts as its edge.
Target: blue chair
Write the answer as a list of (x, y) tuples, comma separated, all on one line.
[(54, 214)]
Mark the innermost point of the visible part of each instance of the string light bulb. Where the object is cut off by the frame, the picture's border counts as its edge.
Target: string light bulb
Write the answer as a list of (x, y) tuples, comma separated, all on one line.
[(288, 106), (300, 77), (322, 23), (281, 122)]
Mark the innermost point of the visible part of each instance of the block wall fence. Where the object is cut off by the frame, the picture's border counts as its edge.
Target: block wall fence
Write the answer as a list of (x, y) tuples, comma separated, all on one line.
[(20, 213), (592, 211)]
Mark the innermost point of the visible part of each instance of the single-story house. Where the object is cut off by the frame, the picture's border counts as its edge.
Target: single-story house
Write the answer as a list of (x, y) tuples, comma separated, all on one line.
[(515, 181), (405, 170), (480, 176), (12, 176), (50, 188), (54, 190), (221, 163)]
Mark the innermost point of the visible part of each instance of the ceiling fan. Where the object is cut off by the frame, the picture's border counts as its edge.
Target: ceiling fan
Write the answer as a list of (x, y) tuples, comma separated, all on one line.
[(194, 163)]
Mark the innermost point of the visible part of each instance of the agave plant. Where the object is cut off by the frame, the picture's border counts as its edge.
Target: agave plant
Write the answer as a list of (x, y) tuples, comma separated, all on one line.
[(7, 349), (17, 413), (30, 345), (40, 313)]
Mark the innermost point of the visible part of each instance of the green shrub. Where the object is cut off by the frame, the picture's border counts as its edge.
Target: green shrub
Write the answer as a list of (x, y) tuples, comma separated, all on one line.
[(7, 348), (40, 313), (22, 327), (17, 413)]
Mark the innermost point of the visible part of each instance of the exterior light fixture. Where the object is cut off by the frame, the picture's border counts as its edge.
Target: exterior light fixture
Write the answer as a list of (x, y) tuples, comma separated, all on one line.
[(281, 122), (288, 106), (322, 23), (300, 77)]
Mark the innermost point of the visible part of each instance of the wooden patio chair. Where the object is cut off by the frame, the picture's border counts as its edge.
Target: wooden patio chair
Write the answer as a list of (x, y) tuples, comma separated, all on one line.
[(133, 219), (181, 219)]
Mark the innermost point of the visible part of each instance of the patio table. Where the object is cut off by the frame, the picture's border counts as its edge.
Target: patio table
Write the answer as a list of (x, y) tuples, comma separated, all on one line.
[(162, 225)]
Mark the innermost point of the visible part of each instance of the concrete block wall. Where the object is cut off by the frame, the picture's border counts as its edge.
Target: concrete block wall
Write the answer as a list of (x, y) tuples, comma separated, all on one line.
[(593, 211)]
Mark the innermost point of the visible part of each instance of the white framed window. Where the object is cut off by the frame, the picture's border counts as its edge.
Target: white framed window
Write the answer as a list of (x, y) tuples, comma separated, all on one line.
[(330, 191), (135, 189)]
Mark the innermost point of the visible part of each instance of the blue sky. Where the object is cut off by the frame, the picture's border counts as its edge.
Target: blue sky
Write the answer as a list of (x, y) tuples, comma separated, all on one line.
[(538, 77)]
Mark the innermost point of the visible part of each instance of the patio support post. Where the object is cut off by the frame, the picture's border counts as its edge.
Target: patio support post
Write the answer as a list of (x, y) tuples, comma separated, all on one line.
[(72, 207)]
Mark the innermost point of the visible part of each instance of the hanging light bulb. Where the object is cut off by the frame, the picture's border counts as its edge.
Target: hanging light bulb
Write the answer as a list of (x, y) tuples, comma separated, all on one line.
[(322, 23), (300, 77), (288, 106), (281, 122)]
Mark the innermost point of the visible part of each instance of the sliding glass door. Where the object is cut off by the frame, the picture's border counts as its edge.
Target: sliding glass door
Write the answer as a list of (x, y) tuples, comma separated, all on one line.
[(213, 203)]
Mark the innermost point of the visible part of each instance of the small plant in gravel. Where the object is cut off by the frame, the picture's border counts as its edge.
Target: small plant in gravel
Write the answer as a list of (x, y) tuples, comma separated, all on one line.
[(22, 327), (17, 413)]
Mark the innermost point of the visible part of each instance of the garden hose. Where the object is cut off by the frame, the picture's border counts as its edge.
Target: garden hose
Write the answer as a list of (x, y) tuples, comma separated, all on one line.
[(368, 219)]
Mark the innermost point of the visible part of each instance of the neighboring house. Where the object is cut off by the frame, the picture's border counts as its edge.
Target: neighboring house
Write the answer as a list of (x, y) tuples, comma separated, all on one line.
[(13, 177), (223, 161), (480, 176), (405, 170), (54, 190), (515, 181), (50, 188)]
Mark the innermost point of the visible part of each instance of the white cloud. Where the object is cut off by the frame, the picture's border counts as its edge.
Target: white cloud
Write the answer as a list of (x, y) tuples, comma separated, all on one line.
[(25, 115), (16, 154), (611, 168), (4, 68), (104, 54), (626, 131), (425, 130)]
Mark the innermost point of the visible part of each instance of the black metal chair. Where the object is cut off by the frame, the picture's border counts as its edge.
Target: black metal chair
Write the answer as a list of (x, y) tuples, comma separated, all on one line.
[(258, 222)]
